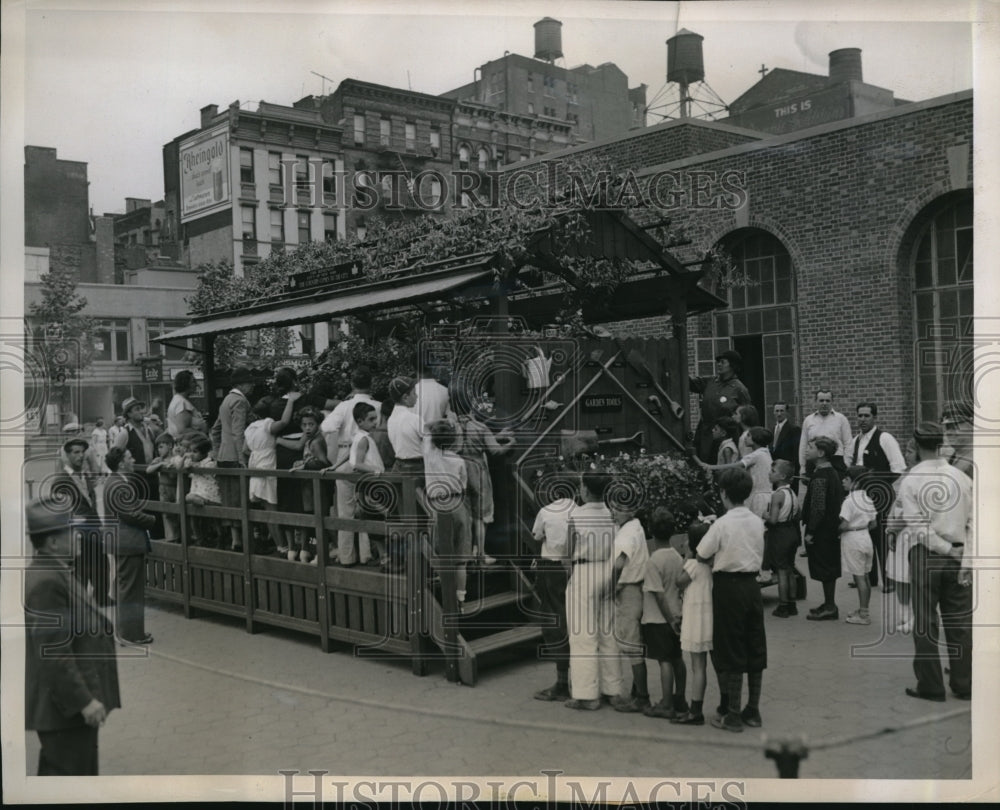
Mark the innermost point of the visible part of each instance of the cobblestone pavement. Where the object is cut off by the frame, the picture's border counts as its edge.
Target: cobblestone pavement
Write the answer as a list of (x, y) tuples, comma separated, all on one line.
[(211, 699)]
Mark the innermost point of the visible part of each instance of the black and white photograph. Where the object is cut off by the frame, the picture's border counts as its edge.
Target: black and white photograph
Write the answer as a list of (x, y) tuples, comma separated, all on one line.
[(586, 402)]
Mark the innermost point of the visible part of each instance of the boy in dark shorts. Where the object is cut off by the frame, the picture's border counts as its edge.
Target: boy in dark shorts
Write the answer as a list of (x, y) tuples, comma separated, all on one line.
[(783, 536), (735, 546), (661, 617)]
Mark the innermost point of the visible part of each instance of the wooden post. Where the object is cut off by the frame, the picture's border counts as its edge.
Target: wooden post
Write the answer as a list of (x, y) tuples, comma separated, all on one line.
[(678, 323), (319, 512), (208, 346), (248, 591), (185, 563)]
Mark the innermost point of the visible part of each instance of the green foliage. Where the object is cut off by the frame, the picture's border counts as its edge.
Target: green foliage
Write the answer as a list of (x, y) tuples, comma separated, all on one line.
[(662, 479), (387, 357), (62, 335)]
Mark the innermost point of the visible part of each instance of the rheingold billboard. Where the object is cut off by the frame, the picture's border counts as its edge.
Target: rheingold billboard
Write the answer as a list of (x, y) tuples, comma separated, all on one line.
[(204, 165)]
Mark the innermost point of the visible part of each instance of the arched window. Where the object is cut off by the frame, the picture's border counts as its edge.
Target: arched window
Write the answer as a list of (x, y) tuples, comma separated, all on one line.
[(483, 159), (463, 157), (760, 321), (943, 307)]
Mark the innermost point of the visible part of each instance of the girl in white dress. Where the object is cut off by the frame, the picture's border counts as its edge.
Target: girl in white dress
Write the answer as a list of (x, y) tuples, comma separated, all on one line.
[(696, 624), (261, 438), (897, 563)]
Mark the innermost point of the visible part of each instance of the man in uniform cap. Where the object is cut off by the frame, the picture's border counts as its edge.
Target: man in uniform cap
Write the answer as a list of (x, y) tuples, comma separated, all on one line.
[(721, 395), (71, 675)]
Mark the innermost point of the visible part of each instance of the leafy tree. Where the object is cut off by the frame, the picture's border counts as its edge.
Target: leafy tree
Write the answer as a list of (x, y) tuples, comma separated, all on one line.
[(62, 336)]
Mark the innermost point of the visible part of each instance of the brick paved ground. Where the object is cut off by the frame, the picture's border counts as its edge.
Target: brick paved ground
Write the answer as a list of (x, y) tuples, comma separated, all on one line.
[(211, 699)]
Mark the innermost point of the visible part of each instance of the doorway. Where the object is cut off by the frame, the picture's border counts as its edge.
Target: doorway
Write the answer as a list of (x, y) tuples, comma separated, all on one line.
[(751, 349)]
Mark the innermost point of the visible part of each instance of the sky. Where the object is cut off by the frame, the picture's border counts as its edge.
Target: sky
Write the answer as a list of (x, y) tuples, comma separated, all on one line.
[(109, 83)]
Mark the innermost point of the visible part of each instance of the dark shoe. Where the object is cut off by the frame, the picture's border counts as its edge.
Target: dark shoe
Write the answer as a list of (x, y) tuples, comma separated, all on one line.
[(728, 723), (660, 710), (583, 705), (824, 615), (553, 693), (817, 609), (961, 695), (792, 609), (688, 719), (146, 639), (888, 589), (630, 705), (608, 700), (915, 694), (680, 705), (751, 718), (781, 611)]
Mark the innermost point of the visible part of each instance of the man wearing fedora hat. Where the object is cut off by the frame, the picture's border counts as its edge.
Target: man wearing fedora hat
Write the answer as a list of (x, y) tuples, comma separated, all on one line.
[(230, 444), (721, 395), (71, 674), (140, 440), (75, 486)]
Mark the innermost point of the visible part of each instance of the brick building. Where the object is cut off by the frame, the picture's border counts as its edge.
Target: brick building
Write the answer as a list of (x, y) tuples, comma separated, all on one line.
[(595, 101), (854, 239)]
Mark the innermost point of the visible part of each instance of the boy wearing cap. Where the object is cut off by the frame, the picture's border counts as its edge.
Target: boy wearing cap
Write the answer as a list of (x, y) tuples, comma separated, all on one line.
[(67, 696), (230, 443)]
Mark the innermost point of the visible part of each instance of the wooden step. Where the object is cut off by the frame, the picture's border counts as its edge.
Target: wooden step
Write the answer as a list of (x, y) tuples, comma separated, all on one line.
[(507, 638), (495, 600)]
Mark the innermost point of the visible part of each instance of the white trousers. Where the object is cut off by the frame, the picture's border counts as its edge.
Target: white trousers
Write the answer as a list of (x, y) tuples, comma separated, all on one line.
[(594, 667)]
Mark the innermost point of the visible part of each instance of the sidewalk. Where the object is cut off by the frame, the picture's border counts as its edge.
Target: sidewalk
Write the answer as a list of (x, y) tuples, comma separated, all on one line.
[(211, 699)]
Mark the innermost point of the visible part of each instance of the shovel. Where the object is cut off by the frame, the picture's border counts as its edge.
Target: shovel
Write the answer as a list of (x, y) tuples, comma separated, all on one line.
[(638, 362)]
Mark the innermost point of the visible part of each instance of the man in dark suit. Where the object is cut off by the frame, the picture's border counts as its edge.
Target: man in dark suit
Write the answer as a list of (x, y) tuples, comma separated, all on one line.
[(786, 435), (74, 486), (230, 444), (123, 504), (71, 674)]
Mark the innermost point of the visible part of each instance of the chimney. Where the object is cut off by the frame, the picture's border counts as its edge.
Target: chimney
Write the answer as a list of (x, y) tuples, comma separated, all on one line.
[(845, 65), (208, 112), (104, 232)]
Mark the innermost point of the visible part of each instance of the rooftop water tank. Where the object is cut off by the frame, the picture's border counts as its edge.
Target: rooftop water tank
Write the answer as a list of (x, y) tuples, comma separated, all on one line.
[(548, 39), (684, 61)]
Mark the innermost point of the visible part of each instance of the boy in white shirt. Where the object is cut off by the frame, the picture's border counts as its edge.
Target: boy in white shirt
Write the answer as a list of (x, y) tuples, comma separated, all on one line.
[(857, 519), (550, 529), (631, 555)]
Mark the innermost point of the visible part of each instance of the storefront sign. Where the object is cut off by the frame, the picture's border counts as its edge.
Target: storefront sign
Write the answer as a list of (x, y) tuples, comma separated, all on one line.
[(602, 403), (204, 167), (152, 369)]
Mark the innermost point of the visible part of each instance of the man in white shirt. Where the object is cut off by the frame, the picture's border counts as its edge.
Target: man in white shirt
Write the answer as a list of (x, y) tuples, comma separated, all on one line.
[(935, 503), (338, 430), (432, 401), (825, 421), (878, 451)]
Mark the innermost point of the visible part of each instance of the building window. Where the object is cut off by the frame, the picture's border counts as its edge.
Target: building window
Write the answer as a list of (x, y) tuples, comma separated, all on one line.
[(277, 225), (307, 334), (155, 329), (359, 130), (248, 216), (246, 166), (531, 83), (384, 131), (435, 198), (943, 305), (329, 180), (550, 84), (573, 118), (111, 340), (483, 159), (435, 142), (463, 157), (329, 227), (274, 168), (531, 108), (411, 137), (305, 235), (571, 92), (760, 323)]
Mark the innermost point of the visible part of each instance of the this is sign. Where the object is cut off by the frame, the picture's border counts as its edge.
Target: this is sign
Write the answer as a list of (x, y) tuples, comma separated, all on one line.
[(152, 369)]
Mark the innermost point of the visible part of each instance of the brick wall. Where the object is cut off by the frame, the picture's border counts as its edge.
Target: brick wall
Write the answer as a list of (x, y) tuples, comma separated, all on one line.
[(845, 199)]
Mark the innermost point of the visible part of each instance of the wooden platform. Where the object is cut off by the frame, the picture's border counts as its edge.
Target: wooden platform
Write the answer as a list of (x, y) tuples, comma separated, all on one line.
[(411, 614)]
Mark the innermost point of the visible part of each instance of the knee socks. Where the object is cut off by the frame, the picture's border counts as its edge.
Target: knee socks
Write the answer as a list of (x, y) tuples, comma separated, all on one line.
[(755, 680)]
